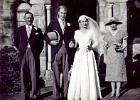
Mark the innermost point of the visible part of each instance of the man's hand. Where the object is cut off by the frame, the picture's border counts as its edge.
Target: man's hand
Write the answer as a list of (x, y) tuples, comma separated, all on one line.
[(71, 44), (54, 42)]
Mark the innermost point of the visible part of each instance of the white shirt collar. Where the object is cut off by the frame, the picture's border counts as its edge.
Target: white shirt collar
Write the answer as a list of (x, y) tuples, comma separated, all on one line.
[(60, 21), (28, 26)]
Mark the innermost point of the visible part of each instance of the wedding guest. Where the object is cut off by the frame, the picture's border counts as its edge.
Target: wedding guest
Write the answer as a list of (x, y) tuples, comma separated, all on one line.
[(116, 43)]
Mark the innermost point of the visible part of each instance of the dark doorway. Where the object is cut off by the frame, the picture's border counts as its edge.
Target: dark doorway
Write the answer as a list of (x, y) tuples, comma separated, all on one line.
[(133, 38), (134, 17), (80, 7)]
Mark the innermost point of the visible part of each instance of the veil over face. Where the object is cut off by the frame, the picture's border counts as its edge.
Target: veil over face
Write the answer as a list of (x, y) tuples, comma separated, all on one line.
[(94, 28)]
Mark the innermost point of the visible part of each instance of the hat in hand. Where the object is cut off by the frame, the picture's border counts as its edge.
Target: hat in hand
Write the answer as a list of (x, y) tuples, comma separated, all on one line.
[(113, 20)]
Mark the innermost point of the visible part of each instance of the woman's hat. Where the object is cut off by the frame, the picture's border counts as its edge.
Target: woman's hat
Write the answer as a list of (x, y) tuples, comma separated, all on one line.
[(113, 20)]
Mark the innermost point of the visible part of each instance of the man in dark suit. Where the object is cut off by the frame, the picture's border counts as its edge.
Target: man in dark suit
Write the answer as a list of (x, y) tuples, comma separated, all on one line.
[(62, 55), (28, 40)]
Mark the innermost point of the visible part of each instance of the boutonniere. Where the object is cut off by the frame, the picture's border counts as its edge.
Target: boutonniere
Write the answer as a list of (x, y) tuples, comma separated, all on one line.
[(36, 33), (35, 28), (68, 24)]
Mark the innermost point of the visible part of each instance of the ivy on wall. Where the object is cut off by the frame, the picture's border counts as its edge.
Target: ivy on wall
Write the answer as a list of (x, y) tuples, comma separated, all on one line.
[(9, 70)]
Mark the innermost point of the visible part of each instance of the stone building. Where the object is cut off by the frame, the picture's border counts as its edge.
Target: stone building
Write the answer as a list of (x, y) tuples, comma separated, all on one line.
[(127, 11), (12, 12)]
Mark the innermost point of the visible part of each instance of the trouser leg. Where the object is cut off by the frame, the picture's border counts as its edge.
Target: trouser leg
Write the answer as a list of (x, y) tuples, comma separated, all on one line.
[(65, 69), (65, 74), (25, 79), (56, 71), (32, 67), (61, 65)]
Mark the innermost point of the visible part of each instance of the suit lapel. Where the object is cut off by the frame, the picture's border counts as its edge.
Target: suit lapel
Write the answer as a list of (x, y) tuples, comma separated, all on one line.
[(32, 32), (25, 32), (59, 27)]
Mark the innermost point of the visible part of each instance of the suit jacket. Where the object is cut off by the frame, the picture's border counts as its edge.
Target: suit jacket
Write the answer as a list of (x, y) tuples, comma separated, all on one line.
[(67, 36), (35, 40)]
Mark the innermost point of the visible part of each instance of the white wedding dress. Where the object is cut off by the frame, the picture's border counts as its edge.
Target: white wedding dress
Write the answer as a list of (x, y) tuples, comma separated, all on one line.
[(84, 81)]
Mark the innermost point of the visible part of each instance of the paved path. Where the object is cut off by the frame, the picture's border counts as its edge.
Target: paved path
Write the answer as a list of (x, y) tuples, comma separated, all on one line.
[(132, 94), (46, 94)]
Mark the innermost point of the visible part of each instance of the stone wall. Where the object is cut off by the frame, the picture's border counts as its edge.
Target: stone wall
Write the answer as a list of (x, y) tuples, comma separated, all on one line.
[(9, 66), (120, 11), (7, 17), (6, 27), (109, 8), (9, 70)]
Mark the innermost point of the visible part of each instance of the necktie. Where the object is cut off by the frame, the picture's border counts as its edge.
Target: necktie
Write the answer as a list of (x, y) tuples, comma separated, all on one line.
[(63, 26), (28, 31)]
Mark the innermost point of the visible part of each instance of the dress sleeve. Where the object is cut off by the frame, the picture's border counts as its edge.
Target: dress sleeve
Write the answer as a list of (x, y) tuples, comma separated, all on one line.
[(106, 41), (95, 41), (125, 35), (124, 44), (105, 37), (124, 40), (76, 36)]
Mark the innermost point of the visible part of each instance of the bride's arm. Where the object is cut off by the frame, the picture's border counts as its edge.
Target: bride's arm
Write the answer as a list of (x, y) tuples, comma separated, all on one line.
[(73, 43), (94, 42)]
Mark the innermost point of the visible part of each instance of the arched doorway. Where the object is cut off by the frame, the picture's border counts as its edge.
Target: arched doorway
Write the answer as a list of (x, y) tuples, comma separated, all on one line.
[(133, 19), (21, 9), (77, 8), (80, 7)]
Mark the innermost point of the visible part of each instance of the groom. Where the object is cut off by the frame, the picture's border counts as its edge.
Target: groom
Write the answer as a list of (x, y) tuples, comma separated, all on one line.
[(62, 55)]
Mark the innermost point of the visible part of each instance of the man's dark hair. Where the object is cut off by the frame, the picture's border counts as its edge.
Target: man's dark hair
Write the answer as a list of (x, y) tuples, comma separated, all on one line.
[(28, 13)]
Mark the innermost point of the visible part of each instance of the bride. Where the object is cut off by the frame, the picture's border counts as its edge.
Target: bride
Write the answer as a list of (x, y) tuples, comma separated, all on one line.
[(84, 81)]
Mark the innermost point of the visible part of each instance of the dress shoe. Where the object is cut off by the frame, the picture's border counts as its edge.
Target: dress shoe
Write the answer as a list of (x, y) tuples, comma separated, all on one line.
[(64, 98), (34, 97), (112, 94), (117, 95)]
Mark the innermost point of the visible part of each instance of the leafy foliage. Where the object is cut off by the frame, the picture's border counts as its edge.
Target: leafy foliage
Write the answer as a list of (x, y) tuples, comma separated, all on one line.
[(9, 70)]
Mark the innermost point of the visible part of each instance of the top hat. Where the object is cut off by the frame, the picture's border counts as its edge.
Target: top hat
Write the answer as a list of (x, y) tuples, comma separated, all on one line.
[(113, 20)]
